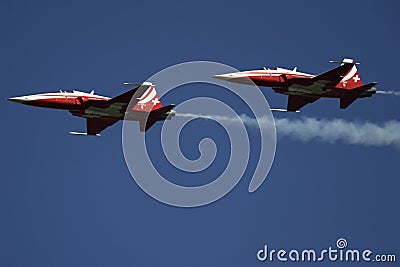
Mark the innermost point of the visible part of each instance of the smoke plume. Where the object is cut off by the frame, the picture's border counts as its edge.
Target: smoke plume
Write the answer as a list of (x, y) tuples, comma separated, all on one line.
[(330, 131), (396, 93)]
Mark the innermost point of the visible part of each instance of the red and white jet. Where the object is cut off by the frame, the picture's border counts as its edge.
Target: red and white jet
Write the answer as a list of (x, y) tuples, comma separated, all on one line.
[(101, 112), (342, 82)]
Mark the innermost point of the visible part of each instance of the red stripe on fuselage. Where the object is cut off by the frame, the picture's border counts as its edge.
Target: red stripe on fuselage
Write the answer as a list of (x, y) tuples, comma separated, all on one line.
[(61, 102)]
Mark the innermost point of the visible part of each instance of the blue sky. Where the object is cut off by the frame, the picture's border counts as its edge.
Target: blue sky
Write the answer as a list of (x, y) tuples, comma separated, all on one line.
[(70, 201)]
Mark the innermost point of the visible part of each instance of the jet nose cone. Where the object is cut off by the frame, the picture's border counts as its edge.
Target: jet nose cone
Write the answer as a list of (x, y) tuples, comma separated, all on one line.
[(223, 77), (19, 99)]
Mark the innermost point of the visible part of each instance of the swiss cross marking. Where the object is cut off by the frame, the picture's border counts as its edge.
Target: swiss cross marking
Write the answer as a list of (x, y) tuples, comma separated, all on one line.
[(356, 78)]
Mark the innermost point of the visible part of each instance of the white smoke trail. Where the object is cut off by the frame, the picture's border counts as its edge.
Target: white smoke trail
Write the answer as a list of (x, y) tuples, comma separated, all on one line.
[(330, 131), (396, 93)]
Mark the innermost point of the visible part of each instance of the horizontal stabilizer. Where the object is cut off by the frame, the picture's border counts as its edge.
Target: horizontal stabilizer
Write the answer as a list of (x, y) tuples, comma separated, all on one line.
[(153, 116), (356, 93), (345, 102), (366, 87)]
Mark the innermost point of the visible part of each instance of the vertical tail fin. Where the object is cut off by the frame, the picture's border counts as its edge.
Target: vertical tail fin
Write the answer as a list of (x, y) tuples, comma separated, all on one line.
[(151, 109), (149, 100), (352, 79)]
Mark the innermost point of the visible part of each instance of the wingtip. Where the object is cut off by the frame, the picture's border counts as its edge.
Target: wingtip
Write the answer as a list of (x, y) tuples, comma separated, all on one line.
[(283, 110), (84, 134)]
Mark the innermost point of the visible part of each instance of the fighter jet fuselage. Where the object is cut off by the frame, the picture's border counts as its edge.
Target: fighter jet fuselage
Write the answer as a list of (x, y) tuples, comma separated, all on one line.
[(139, 104), (342, 82)]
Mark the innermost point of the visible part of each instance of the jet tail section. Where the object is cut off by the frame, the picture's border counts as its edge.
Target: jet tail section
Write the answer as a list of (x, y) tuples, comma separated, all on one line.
[(149, 100), (352, 78)]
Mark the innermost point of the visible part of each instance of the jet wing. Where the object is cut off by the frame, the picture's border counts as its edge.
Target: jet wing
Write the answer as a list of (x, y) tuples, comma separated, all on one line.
[(334, 76), (113, 107), (331, 78), (121, 101), (95, 126), (296, 102)]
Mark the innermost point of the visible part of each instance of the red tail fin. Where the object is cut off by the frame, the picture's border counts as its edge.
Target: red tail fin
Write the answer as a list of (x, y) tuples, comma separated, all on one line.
[(352, 79), (149, 100)]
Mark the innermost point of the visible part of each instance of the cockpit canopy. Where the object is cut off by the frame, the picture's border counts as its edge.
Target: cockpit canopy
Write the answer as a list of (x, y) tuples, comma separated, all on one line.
[(279, 69), (76, 92)]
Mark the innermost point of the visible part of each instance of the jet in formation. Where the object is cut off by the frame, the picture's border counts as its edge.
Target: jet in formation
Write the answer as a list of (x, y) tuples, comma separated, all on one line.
[(343, 82), (138, 104), (143, 104)]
